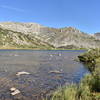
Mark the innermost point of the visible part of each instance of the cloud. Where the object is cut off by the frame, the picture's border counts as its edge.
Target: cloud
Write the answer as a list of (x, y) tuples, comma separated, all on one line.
[(12, 8)]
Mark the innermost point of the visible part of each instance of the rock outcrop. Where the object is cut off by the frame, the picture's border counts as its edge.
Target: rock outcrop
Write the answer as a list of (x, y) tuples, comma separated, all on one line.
[(97, 35)]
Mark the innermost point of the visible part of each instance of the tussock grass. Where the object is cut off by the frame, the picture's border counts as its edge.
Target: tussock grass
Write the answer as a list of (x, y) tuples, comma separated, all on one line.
[(65, 93)]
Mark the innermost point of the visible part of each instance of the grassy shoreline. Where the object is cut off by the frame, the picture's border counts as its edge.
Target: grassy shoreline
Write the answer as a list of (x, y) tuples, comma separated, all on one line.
[(89, 86), (15, 48), (91, 59)]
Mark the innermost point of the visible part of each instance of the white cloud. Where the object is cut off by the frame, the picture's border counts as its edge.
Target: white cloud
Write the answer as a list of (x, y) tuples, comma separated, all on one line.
[(12, 8)]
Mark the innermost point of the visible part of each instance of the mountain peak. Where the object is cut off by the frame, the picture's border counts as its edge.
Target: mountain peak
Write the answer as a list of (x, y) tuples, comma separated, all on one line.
[(97, 35), (35, 34), (21, 27), (70, 29)]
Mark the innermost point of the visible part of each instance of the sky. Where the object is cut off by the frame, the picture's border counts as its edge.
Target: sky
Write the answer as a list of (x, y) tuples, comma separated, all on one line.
[(81, 14)]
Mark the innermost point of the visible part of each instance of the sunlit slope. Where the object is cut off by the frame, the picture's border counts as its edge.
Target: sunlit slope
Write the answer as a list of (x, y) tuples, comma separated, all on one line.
[(32, 35)]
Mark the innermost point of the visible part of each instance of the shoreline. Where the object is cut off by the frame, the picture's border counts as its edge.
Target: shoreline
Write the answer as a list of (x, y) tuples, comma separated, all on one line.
[(89, 86), (37, 49)]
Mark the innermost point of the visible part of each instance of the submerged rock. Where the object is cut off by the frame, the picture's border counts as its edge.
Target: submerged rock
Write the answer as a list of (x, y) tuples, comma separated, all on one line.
[(22, 73), (55, 71), (14, 91)]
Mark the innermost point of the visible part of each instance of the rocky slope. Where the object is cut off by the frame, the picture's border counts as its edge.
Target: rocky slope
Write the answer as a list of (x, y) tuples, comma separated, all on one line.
[(13, 40), (97, 35), (32, 35)]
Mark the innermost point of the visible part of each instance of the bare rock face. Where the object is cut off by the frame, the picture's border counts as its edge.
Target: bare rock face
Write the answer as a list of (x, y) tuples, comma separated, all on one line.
[(25, 28), (97, 35), (35, 34)]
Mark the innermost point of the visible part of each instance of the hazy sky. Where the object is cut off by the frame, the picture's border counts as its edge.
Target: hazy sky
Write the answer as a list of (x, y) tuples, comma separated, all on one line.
[(82, 14)]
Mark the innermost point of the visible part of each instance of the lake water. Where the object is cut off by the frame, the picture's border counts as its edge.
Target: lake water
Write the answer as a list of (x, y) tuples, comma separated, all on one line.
[(47, 71)]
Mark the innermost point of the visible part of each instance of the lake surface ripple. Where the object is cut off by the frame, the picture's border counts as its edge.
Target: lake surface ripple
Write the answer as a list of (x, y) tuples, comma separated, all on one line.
[(47, 71)]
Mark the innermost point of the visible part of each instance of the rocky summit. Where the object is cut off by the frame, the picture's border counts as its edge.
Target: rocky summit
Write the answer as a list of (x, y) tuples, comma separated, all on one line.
[(97, 35), (36, 36)]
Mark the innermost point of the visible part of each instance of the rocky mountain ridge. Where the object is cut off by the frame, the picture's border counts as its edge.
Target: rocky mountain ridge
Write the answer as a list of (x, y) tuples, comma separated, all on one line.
[(36, 36), (97, 35)]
